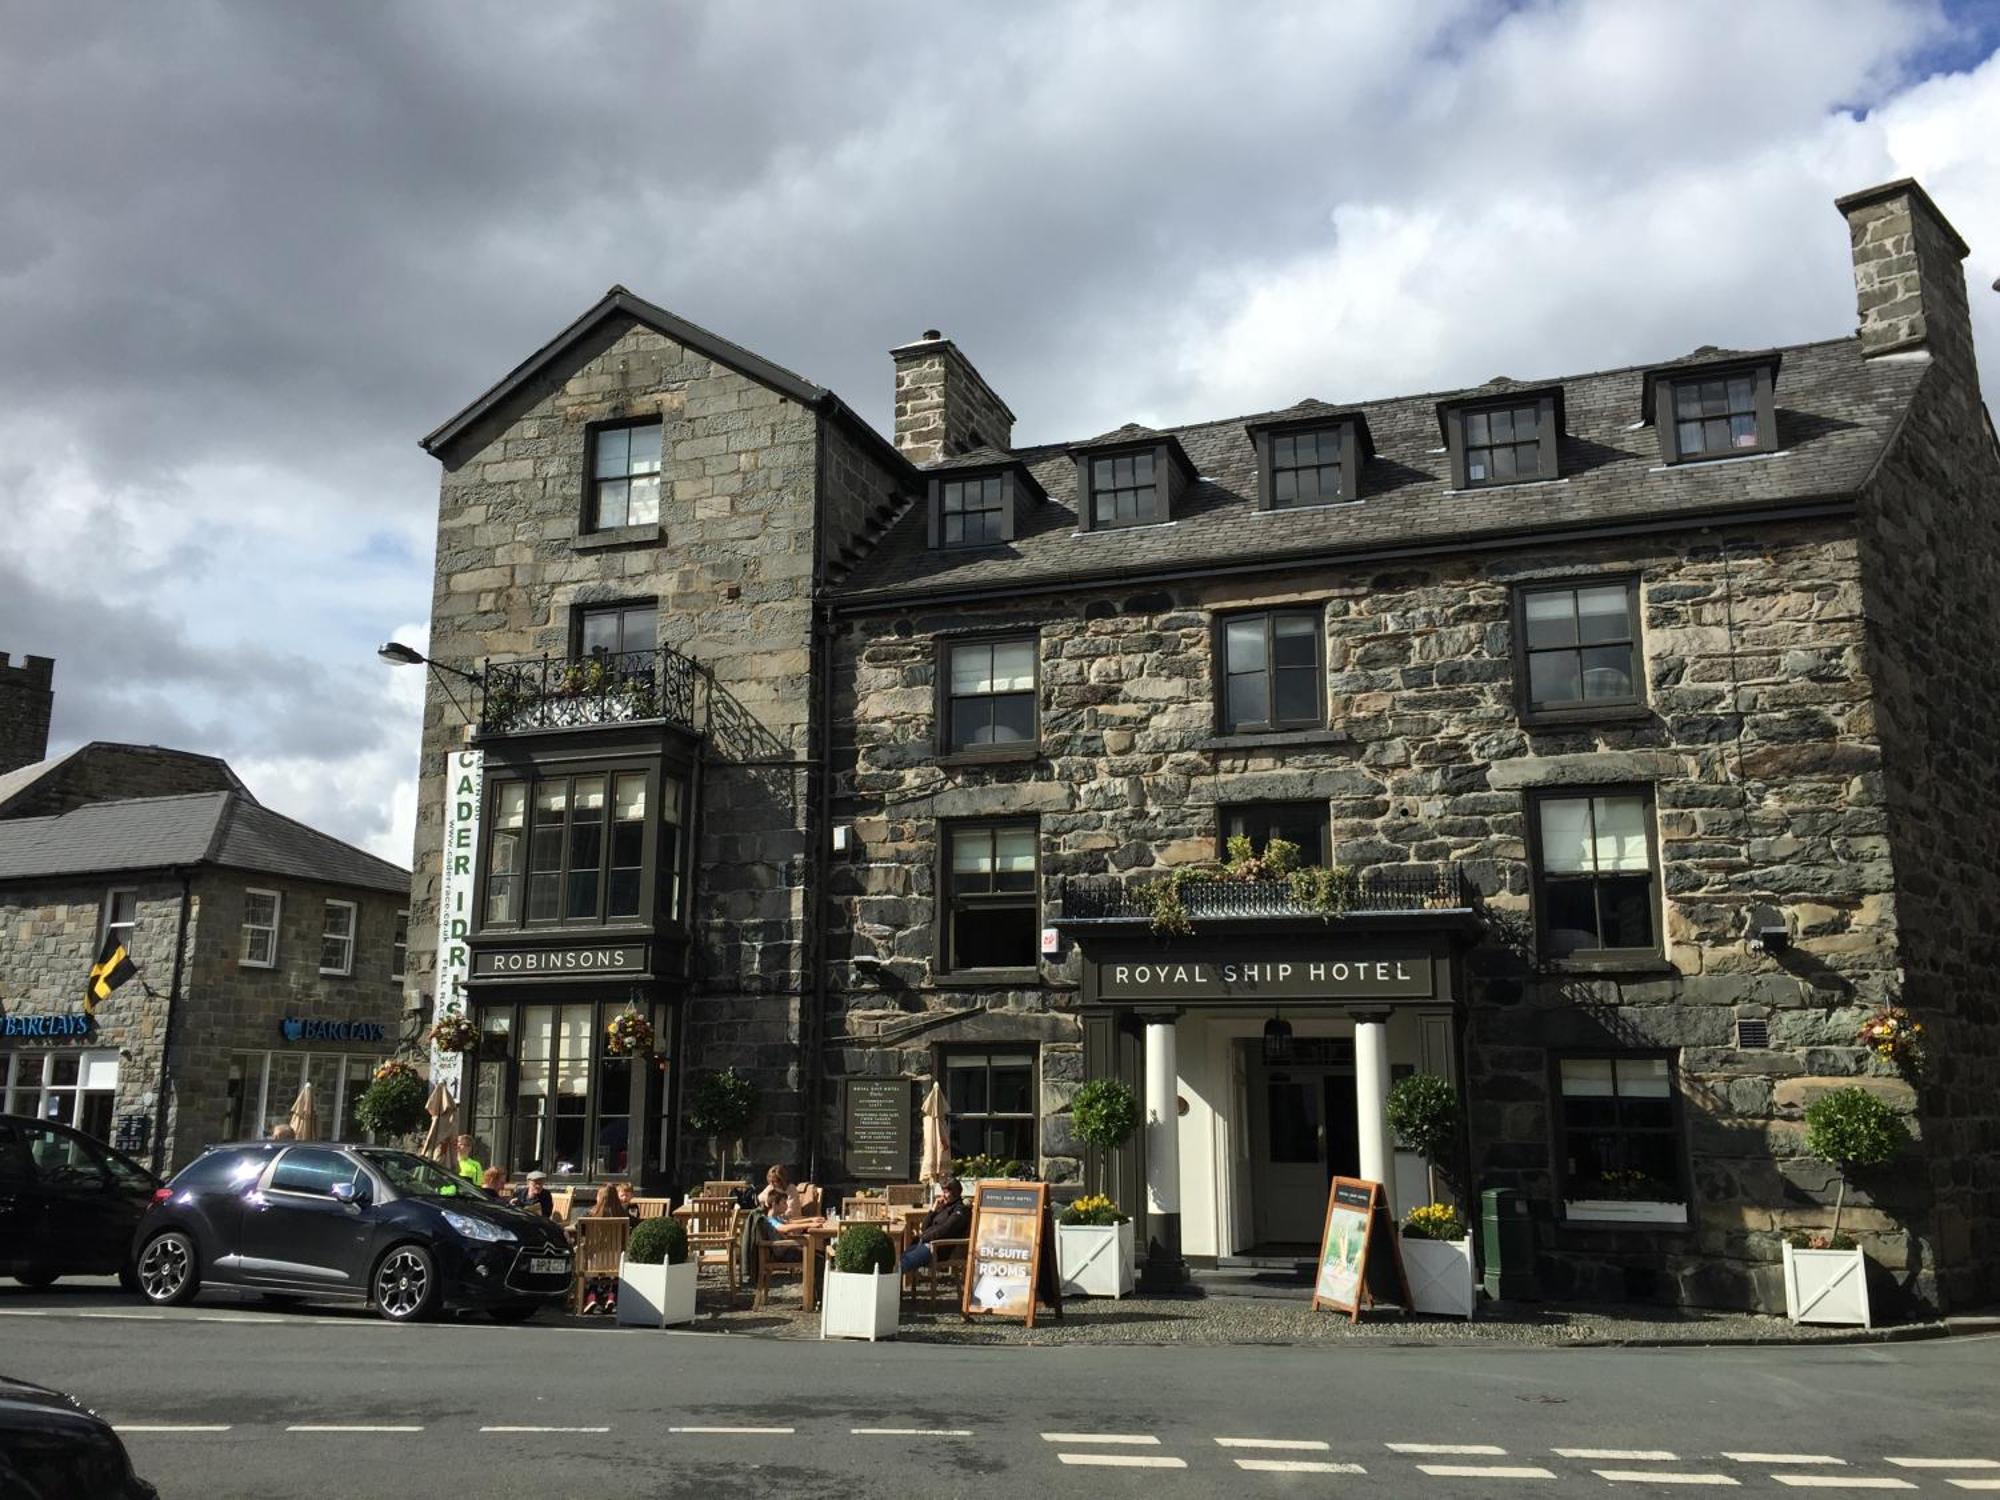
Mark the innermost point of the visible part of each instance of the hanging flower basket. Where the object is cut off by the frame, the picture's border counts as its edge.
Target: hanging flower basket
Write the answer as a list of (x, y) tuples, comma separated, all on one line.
[(452, 1032), (396, 1068), (1891, 1034), (629, 1034)]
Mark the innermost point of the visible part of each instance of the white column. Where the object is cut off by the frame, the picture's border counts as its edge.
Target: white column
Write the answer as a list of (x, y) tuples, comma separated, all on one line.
[(1371, 1104), (1163, 1124)]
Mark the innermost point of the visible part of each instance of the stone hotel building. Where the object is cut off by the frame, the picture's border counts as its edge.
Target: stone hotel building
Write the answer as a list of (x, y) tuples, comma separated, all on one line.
[(1639, 710)]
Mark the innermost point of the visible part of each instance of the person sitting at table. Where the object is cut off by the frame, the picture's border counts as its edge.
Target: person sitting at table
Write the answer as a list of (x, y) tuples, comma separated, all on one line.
[(600, 1293), (782, 1202), (535, 1197), (949, 1219), (495, 1182)]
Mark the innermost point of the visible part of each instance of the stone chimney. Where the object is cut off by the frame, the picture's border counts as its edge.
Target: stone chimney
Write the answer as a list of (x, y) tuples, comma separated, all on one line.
[(1908, 280), (943, 407), (27, 696)]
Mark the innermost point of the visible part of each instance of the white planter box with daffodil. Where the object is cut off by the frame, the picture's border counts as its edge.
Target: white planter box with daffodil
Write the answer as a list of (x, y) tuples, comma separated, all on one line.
[(1437, 1260), (1094, 1253)]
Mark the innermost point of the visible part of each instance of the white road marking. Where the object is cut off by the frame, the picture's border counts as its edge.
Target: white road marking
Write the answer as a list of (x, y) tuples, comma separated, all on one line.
[(128, 1317), (1469, 1450), (349, 1427), (1975, 1484), (1124, 1460), (545, 1429), (746, 1431), (1662, 1476), (263, 1322), (1296, 1466), (170, 1427), (1627, 1455), (1485, 1471), (1945, 1463), (1842, 1482), (910, 1431), (1297, 1445), (1786, 1458), (1133, 1439)]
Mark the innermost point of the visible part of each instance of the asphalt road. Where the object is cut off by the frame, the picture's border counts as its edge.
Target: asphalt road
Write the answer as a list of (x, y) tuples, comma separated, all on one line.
[(225, 1399)]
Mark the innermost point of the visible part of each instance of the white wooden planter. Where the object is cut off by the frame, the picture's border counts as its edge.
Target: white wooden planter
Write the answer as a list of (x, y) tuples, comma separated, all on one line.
[(655, 1296), (1096, 1260), (856, 1306), (1440, 1273), (1826, 1286), (1623, 1211)]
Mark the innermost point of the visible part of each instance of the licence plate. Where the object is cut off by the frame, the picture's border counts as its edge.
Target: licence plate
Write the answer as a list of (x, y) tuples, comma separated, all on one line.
[(549, 1265)]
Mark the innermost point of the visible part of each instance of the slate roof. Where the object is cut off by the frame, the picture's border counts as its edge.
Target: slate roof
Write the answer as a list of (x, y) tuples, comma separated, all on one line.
[(15, 784), (226, 829), (1835, 411)]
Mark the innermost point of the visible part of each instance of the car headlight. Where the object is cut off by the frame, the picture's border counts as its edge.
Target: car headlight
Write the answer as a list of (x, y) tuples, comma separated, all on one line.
[(476, 1229)]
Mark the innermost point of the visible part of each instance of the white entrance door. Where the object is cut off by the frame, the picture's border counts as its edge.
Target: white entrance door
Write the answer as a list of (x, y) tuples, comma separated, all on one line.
[(1302, 1132)]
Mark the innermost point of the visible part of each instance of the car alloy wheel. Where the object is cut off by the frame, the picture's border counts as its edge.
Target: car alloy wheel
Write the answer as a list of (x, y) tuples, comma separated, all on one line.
[(166, 1269), (404, 1284)]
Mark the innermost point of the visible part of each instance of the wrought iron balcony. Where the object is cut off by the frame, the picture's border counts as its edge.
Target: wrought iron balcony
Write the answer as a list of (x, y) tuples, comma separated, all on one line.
[(555, 692), (1379, 890)]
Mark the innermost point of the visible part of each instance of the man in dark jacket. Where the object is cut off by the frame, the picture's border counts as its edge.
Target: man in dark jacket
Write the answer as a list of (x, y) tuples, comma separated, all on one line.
[(536, 1197), (949, 1219)]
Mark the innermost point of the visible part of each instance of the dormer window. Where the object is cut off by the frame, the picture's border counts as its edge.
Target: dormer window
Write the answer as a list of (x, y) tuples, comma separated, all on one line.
[(978, 504), (1713, 411), (1496, 440), (1129, 482), (1310, 461)]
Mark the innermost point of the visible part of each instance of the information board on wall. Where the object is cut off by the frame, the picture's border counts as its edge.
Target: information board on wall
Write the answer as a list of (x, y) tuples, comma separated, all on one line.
[(464, 790), (1345, 1278), (1005, 1249), (878, 1128)]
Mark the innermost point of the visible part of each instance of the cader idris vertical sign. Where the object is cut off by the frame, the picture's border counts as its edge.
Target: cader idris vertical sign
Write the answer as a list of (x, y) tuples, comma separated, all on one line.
[(464, 788)]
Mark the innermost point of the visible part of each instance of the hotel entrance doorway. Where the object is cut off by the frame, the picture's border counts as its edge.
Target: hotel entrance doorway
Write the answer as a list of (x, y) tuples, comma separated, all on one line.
[(1303, 1133)]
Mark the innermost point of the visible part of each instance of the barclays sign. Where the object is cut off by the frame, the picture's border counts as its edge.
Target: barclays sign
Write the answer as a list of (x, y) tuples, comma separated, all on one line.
[(307, 1029), (46, 1028)]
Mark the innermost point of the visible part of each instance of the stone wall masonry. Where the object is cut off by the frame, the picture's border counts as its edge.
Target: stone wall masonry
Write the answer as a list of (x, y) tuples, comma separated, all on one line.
[(1931, 574), (1762, 745), (27, 698), (944, 407)]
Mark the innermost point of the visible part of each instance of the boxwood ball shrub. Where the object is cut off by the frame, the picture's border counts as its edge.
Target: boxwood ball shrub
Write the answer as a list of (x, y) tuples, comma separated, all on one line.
[(1423, 1110), (393, 1104), (654, 1242), (864, 1250), (1851, 1128), (1104, 1113)]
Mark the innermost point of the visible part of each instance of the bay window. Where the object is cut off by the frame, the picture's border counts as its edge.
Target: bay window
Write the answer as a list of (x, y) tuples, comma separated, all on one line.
[(582, 850)]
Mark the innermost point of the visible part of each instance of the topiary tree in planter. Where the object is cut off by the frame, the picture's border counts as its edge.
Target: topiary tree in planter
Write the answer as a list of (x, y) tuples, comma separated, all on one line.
[(720, 1106), (864, 1250), (1104, 1113), (1851, 1128), (1423, 1110), (656, 1242)]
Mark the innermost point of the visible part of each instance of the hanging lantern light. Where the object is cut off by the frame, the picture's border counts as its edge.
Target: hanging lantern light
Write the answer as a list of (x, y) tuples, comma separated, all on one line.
[(1277, 1042)]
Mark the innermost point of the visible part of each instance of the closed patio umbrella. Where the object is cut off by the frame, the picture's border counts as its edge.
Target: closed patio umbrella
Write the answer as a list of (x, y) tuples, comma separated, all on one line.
[(305, 1114), (441, 1140), (936, 1164)]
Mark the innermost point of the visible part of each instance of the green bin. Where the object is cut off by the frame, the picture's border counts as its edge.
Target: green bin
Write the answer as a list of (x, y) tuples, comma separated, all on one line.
[(1507, 1245)]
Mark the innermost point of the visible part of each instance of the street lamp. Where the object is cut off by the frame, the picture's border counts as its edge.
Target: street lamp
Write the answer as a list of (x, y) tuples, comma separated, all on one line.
[(396, 654)]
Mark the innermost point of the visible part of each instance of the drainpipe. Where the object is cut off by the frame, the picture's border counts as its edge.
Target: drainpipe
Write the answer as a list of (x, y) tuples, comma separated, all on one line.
[(167, 1030), (819, 805)]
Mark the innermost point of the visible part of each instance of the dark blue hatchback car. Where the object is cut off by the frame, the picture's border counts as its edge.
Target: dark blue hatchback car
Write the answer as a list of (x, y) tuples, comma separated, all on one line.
[(309, 1220)]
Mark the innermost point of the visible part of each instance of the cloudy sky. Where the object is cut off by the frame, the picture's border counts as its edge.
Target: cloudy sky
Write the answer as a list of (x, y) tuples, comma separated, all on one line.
[(250, 252)]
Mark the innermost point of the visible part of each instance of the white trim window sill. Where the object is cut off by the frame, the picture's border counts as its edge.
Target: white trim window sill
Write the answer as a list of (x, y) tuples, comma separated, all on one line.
[(1623, 1211)]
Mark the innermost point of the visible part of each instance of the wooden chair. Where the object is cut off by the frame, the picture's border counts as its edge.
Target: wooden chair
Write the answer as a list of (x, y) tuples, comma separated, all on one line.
[(864, 1211), (651, 1208), (721, 1189), (947, 1258), (778, 1258), (906, 1194), (600, 1245), (712, 1228), (561, 1201)]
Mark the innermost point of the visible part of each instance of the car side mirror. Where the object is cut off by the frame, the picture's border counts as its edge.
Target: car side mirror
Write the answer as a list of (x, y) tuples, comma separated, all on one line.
[(353, 1194)]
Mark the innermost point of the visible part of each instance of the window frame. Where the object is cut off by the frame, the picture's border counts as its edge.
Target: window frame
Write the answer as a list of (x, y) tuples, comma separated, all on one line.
[(652, 870), (106, 923), (1171, 471), (1549, 421), (1677, 1129), (246, 927), (1662, 388), (1219, 669), (1322, 856), (587, 520), (1652, 957), (580, 612), (1032, 1117), (1027, 749), (1638, 705), (1356, 447), (948, 900), (352, 937), (399, 945)]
